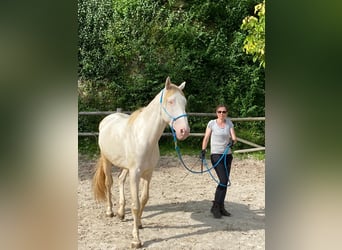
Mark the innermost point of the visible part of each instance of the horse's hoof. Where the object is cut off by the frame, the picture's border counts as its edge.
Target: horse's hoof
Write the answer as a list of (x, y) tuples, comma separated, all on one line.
[(136, 245), (121, 217), (110, 214), (140, 227)]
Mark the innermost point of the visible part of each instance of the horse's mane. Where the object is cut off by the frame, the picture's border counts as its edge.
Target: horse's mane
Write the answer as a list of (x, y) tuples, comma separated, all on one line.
[(134, 115)]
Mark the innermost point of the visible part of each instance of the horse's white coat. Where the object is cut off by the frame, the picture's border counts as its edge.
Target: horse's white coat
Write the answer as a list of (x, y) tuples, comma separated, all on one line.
[(131, 143)]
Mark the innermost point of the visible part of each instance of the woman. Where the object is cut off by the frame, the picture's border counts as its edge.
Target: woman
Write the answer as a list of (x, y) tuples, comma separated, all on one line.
[(221, 133)]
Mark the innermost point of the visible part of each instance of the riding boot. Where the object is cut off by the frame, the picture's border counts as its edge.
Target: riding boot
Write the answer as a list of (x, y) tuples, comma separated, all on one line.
[(223, 211), (215, 209)]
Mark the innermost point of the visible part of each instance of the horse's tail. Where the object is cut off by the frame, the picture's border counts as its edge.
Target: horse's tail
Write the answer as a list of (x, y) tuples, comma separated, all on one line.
[(99, 184)]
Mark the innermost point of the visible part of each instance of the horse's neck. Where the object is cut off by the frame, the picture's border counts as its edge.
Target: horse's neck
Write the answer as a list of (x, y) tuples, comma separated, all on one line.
[(149, 124)]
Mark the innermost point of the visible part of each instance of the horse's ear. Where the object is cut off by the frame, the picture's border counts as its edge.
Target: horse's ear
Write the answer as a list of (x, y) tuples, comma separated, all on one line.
[(168, 83), (181, 86)]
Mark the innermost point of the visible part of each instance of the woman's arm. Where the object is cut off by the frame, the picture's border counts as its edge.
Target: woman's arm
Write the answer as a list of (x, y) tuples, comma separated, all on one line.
[(206, 138), (233, 135)]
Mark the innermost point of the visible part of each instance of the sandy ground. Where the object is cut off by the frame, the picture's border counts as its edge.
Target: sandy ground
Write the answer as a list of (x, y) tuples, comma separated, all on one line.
[(177, 215)]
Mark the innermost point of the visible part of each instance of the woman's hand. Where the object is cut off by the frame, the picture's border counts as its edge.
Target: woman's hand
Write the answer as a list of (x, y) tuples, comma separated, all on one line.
[(202, 154)]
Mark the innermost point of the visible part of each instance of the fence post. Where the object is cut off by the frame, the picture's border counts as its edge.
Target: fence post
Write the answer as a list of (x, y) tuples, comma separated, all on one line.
[(118, 110)]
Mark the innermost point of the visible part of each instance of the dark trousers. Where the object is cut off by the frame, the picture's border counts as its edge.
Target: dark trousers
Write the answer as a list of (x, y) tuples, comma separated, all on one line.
[(222, 174)]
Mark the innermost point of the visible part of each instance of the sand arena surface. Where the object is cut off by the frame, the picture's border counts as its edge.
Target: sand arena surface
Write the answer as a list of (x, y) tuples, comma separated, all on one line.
[(177, 215)]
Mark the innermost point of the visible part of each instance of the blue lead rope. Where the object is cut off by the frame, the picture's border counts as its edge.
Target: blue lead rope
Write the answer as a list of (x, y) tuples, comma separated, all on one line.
[(204, 161), (173, 119)]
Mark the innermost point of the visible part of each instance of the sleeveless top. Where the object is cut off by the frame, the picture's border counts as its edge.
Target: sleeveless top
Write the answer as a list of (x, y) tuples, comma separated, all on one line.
[(220, 137)]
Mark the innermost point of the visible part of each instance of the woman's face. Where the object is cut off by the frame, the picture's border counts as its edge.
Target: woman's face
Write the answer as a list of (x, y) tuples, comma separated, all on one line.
[(221, 112)]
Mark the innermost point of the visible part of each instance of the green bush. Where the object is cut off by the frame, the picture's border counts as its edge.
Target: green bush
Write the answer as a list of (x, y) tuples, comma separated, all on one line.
[(127, 48)]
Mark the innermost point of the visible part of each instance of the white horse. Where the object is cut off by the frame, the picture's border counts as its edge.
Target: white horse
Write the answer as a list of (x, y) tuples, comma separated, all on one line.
[(131, 143)]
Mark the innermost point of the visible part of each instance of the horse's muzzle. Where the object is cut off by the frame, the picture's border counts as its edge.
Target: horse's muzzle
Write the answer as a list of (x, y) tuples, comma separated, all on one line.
[(183, 133)]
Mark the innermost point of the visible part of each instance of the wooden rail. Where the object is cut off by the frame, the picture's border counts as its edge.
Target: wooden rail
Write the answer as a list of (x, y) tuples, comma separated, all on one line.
[(255, 147)]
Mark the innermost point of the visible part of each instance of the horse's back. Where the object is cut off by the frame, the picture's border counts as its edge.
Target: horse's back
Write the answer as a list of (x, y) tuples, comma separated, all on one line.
[(115, 119)]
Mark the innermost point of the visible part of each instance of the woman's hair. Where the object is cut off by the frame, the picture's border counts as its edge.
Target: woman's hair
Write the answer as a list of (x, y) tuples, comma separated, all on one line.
[(221, 106)]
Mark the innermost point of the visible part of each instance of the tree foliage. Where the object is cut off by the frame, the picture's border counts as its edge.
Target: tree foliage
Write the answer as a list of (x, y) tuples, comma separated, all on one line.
[(127, 49), (94, 16), (254, 43)]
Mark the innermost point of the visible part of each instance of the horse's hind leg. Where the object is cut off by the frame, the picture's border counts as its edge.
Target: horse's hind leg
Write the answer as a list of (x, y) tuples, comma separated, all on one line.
[(122, 201), (107, 167)]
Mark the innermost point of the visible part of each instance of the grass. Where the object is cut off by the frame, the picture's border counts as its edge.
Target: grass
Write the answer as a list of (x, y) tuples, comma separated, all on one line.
[(254, 155), (88, 146)]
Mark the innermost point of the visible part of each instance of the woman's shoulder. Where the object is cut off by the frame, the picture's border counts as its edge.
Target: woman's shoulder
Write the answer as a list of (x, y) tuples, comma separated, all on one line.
[(229, 122), (211, 122)]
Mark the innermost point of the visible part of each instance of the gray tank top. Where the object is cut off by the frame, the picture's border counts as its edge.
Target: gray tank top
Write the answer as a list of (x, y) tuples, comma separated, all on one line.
[(220, 137)]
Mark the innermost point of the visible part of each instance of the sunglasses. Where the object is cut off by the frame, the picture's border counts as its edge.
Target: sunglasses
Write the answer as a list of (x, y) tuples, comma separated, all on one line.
[(221, 112)]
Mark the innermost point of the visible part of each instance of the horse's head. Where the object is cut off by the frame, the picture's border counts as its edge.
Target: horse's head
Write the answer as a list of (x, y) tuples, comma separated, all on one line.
[(173, 104)]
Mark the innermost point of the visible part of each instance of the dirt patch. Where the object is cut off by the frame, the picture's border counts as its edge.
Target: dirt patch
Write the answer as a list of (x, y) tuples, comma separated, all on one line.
[(177, 215)]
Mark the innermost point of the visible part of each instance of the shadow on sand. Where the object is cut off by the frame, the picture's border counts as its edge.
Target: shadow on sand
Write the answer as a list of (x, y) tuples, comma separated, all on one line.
[(243, 218)]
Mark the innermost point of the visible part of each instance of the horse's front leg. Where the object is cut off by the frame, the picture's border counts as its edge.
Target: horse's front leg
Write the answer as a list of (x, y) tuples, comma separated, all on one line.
[(134, 183), (144, 196), (122, 201)]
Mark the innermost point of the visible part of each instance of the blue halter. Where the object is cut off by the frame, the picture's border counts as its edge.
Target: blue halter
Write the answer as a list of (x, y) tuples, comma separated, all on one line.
[(173, 119)]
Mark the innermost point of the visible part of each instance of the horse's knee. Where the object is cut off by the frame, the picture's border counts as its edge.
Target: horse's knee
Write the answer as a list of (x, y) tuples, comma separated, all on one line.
[(135, 211)]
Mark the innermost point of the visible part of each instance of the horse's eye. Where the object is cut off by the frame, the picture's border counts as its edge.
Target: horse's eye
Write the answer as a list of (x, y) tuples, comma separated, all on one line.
[(171, 102)]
